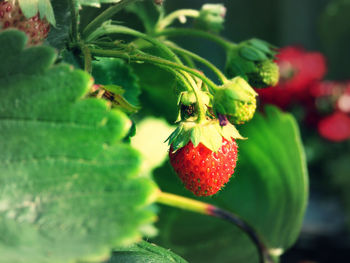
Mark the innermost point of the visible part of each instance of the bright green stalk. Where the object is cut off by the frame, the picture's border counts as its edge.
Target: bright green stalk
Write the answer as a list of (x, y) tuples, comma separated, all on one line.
[(169, 19), (190, 32), (104, 16), (205, 62), (155, 61)]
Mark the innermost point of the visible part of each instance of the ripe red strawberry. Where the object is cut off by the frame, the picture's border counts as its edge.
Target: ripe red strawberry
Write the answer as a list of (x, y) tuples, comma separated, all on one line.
[(11, 16), (203, 171)]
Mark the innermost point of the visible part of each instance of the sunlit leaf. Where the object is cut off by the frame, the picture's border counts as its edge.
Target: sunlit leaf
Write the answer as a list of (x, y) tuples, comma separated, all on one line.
[(69, 187)]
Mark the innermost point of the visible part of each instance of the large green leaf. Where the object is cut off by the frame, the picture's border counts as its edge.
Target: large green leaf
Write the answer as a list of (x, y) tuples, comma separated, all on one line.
[(145, 252), (69, 188), (269, 191)]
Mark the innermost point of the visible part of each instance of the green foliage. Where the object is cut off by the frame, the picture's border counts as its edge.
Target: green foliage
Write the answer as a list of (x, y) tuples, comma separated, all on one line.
[(69, 189), (145, 252), (269, 190), (115, 71), (31, 7)]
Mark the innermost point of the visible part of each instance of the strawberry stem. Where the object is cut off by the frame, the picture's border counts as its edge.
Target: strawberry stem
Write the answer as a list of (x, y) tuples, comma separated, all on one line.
[(205, 62), (180, 32), (178, 14), (105, 15), (107, 29), (211, 210), (153, 60)]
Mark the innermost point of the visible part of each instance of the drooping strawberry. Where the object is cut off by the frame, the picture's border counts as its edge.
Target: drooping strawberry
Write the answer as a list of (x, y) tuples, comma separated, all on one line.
[(203, 171), (11, 16), (203, 154)]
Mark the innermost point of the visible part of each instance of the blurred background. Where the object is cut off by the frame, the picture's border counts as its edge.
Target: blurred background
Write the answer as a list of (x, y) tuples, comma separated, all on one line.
[(321, 26)]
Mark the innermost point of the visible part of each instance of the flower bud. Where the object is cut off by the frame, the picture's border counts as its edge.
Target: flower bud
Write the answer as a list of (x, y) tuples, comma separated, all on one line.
[(235, 99), (253, 60), (211, 17)]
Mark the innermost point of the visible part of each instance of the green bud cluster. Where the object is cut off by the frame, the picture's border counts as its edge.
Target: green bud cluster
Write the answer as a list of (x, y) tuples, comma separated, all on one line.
[(211, 17), (236, 99), (253, 60)]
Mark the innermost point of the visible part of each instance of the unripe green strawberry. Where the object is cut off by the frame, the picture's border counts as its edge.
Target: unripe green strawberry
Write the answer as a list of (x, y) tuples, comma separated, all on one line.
[(253, 60), (266, 74), (244, 112), (236, 99), (203, 171), (11, 16)]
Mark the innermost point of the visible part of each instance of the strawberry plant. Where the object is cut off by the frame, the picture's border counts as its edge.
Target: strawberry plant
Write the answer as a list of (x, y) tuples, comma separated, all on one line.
[(84, 120)]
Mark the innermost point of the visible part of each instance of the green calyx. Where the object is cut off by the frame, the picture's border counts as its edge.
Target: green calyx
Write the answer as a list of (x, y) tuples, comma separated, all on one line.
[(209, 133), (236, 99), (187, 104), (211, 17), (253, 60)]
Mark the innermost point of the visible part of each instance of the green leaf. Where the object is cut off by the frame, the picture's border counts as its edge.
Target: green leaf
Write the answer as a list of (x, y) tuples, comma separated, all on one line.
[(145, 252), (261, 45), (252, 54), (31, 7), (69, 188), (114, 71), (269, 191)]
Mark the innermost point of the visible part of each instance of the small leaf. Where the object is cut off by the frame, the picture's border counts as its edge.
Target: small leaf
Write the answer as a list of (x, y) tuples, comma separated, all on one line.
[(145, 252), (261, 45), (29, 7), (252, 54), (45, 10)]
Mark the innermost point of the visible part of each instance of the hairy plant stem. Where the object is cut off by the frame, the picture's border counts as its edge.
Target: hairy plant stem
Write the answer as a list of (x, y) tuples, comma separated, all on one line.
[(153, 60), (190, 32), (87, 59), (211, 210), (170, 18), (105, 15), (107, 29), (194, 56)]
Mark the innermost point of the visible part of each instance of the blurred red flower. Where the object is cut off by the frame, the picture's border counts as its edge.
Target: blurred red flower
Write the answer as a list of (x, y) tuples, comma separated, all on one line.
[(298, 70)]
